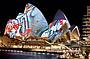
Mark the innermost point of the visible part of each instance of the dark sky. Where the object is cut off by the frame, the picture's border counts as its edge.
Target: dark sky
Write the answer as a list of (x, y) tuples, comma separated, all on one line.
[(74, 9)]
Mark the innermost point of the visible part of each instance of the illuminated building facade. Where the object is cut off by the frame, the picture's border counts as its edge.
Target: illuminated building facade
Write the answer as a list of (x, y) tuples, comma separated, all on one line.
[(86, 25)]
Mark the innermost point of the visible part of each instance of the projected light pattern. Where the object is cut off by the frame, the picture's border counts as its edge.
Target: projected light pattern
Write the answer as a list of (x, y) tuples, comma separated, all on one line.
[(31, 21)]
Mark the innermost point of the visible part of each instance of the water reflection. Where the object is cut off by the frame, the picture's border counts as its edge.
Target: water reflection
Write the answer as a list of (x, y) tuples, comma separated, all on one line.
[(27, 56)]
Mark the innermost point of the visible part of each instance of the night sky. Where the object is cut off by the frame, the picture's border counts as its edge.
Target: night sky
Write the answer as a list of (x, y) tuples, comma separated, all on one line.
[(73, 9)]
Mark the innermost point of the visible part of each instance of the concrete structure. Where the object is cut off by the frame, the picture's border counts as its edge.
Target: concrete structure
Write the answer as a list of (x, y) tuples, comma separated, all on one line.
[(86, 25)]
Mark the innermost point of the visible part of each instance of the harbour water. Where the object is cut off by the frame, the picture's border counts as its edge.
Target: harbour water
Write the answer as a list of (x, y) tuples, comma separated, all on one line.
[(28, 55)]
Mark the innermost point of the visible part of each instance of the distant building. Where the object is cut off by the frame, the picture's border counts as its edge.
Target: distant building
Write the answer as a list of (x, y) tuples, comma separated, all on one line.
[(86, 25)]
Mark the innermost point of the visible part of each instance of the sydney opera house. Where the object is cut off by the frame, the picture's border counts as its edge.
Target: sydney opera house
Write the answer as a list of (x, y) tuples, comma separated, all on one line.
[(30, 32)]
